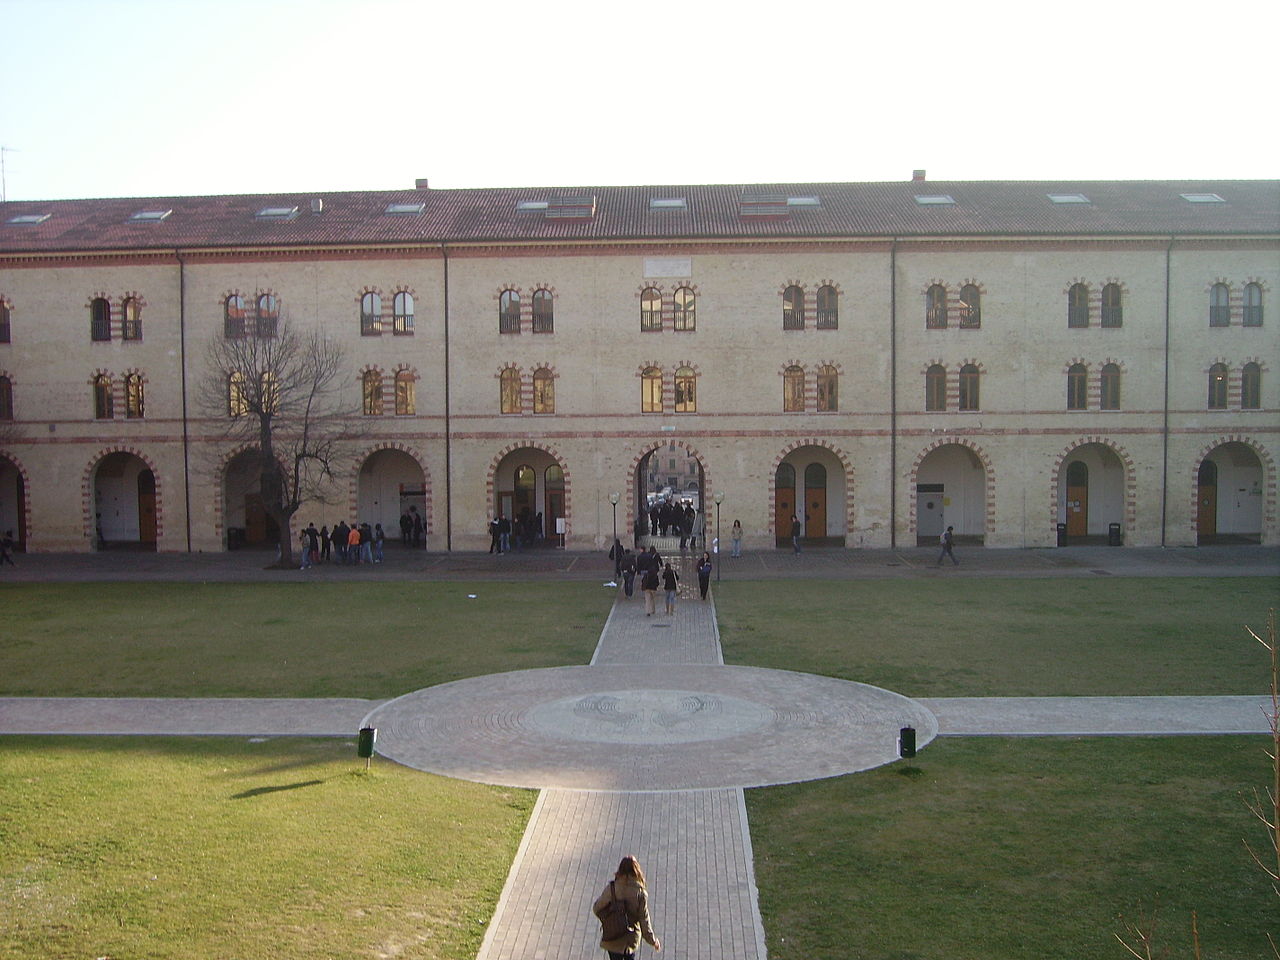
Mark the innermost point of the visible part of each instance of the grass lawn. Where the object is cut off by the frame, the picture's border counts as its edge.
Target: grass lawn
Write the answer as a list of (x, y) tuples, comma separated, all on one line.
[(286, 640), (223, 848), (1018, 849), (973, 638)]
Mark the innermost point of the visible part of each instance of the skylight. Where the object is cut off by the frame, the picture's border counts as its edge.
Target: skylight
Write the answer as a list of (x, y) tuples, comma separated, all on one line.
[(934, 199), (29, 218), (668, 203), (804, 202), (526, 206), (1202, 198), (151, 216), (277, 213), (1067, 197), (403, 209)]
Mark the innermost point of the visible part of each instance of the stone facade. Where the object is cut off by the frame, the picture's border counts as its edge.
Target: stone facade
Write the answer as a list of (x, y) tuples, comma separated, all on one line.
[(872, 465)]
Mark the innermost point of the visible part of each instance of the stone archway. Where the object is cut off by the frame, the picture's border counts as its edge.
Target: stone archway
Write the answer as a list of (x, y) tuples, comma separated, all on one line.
[(529, 486), (392, 483), (814, 482), (15, 504), (1234, 493), (245, 521), (666, 473), (951, 485), (122, 501), (1093, 489)]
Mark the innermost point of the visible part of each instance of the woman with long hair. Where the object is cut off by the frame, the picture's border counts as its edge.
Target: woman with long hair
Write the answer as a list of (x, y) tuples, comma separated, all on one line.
[(627, 889)]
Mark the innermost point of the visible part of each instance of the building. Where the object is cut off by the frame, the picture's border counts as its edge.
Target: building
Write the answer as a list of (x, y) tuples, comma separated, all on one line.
[(1023, 361)]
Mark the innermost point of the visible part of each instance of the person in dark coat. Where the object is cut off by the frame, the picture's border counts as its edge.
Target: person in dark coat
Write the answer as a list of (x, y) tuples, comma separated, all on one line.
[(325, 544), (495, 543), (341, 533), (795, 532), (406, 529), (419, 528), (704, 574), (628, 574), (655, 517)]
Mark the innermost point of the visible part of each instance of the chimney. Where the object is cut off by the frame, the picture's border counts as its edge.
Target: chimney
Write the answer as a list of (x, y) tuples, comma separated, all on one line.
[(917, 176), (317, 206), (421, 184)]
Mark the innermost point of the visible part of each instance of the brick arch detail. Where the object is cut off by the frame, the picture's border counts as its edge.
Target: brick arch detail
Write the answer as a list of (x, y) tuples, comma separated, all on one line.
[(555, 454), (26, 487), (649, 447), (86, 488), (353, 482), (1130, 480), (1269, 489), (849, 479), (988, 482)]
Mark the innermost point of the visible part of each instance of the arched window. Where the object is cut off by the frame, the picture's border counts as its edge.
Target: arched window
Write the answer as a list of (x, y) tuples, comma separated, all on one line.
[(935, 308), (1110, 399), (650, 309), (793, 308), (544, 318), (6, 398), (99, 319), (651, 390), (785, 477), (1251, 387), (131, 320), (1219, 305), (402, 312), (103, 405), (1078, 305), (509, 312), (269, 388), (133, 399), (268, 315), (935, 388), (1218, 386), (1112, 308), (544, 391), (686, 395), (233, 314), (685, 309), (828, 389), (828, 308), (793, 389), (970, 399), (509, 390), (371, 393), (370, 314), (4, 322), (406, 389), (237, 402), (970, 306), (1252, 305), (1077, 387)]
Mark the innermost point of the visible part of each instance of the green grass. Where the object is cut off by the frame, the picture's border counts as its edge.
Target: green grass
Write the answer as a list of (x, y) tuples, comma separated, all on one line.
[(971, 638), (286, 640), (222, 848), (1018, 849)]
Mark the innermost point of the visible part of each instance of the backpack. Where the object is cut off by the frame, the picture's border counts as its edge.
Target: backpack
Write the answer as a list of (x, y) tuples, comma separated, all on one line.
[(614, 922), (942, 539)]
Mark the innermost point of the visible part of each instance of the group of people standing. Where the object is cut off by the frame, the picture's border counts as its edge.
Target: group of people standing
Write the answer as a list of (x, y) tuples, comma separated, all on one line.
[(347, 545), (667, 518), (524, 530), (413, 529)]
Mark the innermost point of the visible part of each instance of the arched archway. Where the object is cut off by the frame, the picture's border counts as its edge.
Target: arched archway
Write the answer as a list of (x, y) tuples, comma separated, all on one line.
[(952, 483), (1092, 492), (124, 499), (245, 520), (391, 489), (812, 482), (14, 509), (667, 481), (1230, 485), (531, 490)]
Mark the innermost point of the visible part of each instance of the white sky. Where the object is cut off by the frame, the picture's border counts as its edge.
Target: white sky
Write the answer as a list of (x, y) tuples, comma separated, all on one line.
[(102, 98)]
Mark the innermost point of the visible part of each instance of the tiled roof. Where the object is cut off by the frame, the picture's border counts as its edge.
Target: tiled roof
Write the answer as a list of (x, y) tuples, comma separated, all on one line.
[(724, 211)]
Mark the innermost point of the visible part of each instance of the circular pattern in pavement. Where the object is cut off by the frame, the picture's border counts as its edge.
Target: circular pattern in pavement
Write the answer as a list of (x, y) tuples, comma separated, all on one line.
[(635, 728)]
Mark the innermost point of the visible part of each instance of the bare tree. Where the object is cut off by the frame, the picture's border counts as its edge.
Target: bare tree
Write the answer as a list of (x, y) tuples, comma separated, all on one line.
[(1265, 804), (279, 394)]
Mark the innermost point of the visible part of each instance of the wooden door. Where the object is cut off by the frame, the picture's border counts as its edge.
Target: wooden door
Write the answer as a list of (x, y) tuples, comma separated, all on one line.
[(815, 501), (784, 502), (1207, 510), (255, 519), (1077, 499), (147, 507)]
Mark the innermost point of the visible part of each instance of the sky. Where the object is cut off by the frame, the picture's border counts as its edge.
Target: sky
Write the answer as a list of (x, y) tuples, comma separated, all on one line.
[(123, 98)]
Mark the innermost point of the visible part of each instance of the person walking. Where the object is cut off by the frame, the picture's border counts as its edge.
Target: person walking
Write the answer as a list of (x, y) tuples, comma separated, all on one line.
[(948, 540), (628, 574), (418, 527), (795, 533), (6, 549), (627, 888), (495, 546), (616, 555), (649, 587), (379, 538), (704, 574), (670, 579), (735, 535), (406, 529)]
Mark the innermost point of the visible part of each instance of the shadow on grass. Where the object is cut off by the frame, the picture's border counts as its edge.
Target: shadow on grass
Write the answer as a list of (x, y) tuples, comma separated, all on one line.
[(259, 791)]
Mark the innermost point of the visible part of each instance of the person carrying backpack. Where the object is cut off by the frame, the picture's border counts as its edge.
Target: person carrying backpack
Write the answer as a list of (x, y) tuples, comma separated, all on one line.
[(623, 912), (947, 540)]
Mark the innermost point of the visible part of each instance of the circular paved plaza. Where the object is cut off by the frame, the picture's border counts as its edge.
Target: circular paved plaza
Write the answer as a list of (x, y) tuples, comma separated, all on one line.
[(636, 728)]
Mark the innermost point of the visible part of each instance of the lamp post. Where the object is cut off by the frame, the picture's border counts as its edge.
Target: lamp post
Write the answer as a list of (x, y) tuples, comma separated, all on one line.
[(718, 498), (613, 499)]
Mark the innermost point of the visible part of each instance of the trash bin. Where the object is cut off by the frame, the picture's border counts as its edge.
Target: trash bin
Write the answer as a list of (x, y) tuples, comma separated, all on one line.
[(1114, 539), (1062, 534), (907, 742), (235, 538), (368, 736)]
